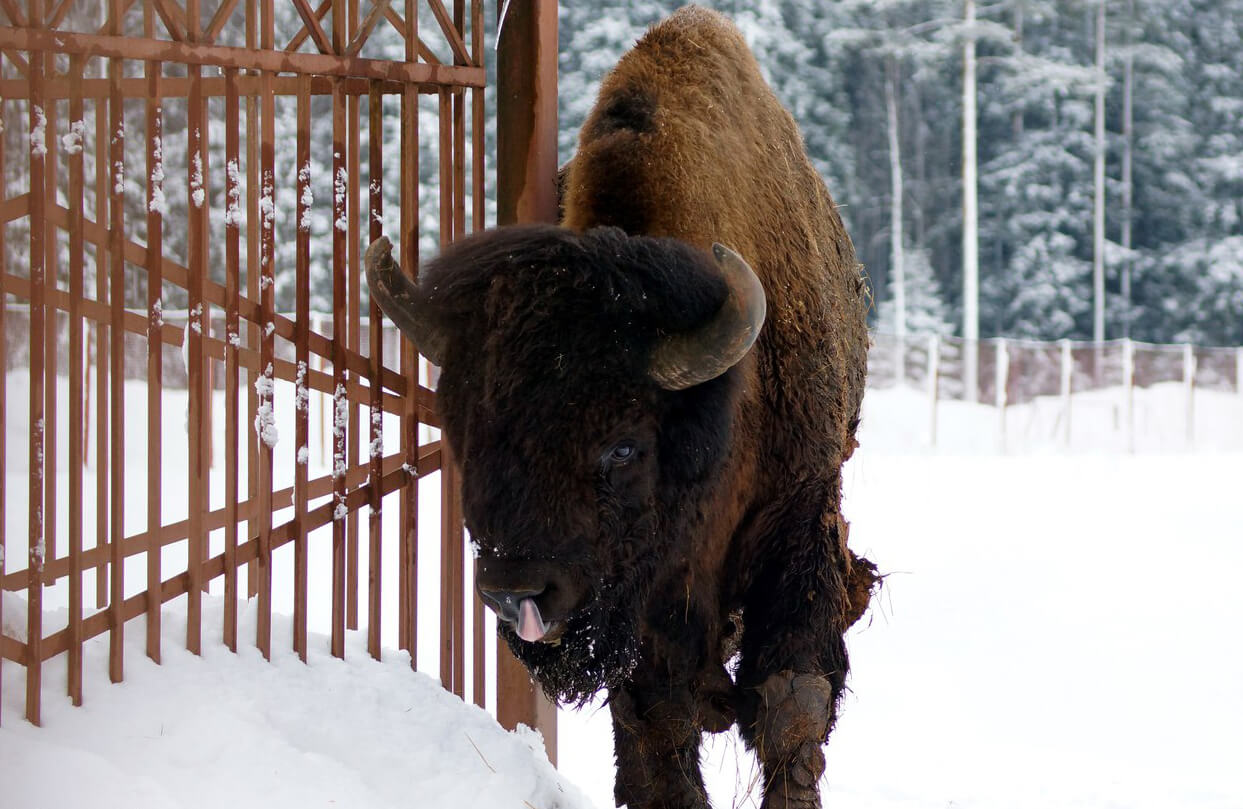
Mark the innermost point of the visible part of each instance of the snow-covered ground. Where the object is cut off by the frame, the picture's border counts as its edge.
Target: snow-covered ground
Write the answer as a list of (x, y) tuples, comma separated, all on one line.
[(1054, 631)]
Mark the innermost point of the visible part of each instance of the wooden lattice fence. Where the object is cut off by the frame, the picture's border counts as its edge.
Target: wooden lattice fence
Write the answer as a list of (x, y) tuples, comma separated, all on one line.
[(103, 231)]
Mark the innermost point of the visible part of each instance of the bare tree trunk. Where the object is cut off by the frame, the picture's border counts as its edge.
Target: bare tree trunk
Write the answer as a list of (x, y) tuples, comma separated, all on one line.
[(970, 212), (1098, 214), (897, 256), (1128, 84)]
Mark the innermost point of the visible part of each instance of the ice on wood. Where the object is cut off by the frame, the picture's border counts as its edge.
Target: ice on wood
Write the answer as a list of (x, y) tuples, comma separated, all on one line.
[(72, 140), (196, 181), (265, 417), (158, 203), (233, 206)]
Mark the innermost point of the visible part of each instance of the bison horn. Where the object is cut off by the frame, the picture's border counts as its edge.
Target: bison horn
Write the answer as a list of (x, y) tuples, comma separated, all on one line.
[(402, 300), (680, 361)]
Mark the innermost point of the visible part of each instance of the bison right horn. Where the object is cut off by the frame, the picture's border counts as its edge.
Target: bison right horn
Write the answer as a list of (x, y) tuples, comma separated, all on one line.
[(681, 361), (402, 300)]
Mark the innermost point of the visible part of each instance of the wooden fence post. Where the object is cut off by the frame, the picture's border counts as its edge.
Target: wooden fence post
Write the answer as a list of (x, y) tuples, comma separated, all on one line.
[(1067, 374), (899, 357), (1128, 384), (1189, 385), (1002, 375), (934, 358), (526, 191)]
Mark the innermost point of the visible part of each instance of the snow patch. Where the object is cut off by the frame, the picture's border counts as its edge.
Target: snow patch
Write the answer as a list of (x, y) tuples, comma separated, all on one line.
[(158, 203), (302, 396), (265, 417), (307, 199), (196, 180), (38, 132), (72, 141), (233, 206), (338, 193)]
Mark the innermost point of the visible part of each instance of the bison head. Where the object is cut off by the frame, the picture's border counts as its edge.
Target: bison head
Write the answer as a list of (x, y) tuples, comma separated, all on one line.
[(586, 392)]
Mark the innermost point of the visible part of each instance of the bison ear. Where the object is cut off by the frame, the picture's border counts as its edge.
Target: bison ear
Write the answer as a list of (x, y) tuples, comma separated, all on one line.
[(680, 361), (403, 301)]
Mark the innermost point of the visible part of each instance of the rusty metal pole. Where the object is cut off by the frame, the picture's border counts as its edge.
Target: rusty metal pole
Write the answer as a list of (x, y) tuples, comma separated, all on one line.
[(526, 173)]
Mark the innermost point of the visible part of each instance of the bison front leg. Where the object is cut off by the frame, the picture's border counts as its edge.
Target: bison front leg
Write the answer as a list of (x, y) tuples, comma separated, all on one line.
[(657, 746), (794, 662)]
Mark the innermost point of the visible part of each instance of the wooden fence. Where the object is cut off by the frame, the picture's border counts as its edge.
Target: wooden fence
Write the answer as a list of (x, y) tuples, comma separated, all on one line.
[(101, 233), (1012, 372)]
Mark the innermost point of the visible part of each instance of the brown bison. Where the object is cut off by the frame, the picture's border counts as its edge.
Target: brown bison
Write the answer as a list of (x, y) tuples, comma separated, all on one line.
[(652, 480)]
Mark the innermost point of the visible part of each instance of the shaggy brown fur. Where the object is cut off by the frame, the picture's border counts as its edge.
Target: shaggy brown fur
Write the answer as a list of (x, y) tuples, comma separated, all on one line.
[(684, 548), (688, 141)]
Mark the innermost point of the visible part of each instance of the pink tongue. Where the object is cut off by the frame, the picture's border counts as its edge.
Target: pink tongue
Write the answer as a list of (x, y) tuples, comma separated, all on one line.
[(530, 623)]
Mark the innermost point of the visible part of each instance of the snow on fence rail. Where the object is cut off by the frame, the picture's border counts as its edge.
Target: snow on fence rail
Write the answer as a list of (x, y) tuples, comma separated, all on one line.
[(113, 197), (1013, 372)]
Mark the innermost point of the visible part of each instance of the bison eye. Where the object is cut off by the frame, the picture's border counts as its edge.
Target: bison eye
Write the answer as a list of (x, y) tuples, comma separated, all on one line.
[(620, 454)]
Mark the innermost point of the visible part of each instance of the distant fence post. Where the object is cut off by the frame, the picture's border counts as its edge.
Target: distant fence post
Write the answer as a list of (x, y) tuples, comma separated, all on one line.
[(1238, 370), (934, 356), (1128, 384), (1002, 375), (1067, 373), (899, 359), (1189, 384)]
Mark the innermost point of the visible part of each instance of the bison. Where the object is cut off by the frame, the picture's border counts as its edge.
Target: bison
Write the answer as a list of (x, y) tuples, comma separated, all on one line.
[(650, 405)]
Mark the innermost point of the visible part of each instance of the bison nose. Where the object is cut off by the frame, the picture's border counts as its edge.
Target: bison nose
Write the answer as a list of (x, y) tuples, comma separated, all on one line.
[(505, 603)]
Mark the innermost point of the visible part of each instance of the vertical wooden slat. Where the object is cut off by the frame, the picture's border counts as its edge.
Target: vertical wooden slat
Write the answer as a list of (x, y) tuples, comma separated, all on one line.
[(450, 550), (103, 351), (4, 393), (34, 593), (197, 224), (267, 157), (453, 521), (301, 340), (526, 148), (51, 331), (340, 404), (409, 516), (254, 231), (155, 341), (116, 261), (478, 192), (77, 415), (233, 249), (375, 331), (354, 303)]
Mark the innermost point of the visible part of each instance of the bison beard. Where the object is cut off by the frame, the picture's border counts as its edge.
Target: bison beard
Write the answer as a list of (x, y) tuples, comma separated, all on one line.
[(599, 649)]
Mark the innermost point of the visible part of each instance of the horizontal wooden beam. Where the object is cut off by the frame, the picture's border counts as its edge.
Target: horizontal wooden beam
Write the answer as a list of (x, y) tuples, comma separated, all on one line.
[(33, 39)]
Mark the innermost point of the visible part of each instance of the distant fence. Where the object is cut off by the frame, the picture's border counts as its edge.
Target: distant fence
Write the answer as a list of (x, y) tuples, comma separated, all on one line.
[(1011, 372), (89, 93)]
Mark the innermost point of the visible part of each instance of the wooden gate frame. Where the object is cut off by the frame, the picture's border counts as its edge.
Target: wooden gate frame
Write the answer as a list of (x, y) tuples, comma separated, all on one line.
[(250, 79)]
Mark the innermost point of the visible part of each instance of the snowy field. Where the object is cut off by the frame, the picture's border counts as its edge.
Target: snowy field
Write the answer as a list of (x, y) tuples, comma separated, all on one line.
[(1054, 631)]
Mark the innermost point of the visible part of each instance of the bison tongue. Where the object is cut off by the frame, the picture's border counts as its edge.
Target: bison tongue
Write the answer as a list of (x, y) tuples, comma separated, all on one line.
[(531, 626)]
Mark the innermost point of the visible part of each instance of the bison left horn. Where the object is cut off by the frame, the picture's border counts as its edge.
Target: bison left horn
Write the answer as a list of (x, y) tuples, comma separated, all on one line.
[(680, 361), (402, 300)]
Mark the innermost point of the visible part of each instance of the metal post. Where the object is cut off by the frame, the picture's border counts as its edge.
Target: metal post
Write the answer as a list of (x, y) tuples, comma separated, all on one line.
[(526, 172)]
